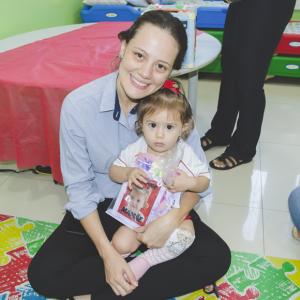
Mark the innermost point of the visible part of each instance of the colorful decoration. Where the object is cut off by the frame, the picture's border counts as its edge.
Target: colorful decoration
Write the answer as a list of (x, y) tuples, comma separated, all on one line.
[(249, 277)]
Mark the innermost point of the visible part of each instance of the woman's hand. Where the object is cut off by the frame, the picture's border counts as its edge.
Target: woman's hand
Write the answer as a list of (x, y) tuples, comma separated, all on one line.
[(134, 175), (156, 233), (115, 267), (180, 184)]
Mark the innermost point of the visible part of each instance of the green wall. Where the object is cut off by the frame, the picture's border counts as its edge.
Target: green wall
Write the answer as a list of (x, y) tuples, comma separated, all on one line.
[(296, 15), (19, 16)]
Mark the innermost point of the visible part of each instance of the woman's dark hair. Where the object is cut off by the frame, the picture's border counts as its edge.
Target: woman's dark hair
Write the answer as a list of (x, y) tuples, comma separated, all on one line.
[(165, 21)]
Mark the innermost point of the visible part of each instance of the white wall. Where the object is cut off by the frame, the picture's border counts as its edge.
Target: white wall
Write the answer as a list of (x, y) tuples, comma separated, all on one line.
[(297, 4)]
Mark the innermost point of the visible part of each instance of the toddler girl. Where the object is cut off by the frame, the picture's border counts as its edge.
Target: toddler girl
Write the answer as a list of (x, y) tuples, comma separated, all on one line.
[(163, 119)]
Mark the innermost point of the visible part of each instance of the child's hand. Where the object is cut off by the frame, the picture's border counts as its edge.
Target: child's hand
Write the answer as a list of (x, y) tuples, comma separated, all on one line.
[(180, 184), (134, 175)]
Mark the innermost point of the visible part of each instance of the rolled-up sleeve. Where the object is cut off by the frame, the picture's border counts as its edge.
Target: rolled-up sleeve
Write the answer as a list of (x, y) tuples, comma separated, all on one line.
[(194, 141), (76, 165)]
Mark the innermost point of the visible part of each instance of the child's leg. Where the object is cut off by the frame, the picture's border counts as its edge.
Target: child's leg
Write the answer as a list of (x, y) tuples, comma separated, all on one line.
[(180, 240), (124, 241)]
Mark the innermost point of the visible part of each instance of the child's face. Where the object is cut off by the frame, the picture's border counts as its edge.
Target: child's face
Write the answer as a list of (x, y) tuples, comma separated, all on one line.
[(137, 201), (162, 130)]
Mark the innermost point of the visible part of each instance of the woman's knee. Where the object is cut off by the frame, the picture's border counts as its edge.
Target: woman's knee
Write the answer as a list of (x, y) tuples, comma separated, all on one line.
[(41, 278)]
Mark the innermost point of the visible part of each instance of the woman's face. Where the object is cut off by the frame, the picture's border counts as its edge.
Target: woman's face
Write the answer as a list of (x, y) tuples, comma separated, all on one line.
[(147, 62)]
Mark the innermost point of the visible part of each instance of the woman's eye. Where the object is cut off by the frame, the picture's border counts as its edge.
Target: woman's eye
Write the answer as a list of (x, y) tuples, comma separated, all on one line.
[(169, 127), (152, 125), (161, 67), (139, 55)]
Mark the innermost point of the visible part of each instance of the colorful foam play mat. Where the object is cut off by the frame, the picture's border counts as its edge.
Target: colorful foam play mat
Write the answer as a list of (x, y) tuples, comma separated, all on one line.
[(250, 276)]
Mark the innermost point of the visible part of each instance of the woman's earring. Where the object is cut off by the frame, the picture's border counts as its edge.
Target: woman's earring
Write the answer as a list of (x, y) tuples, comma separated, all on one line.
[(179, 137), (120, 56)]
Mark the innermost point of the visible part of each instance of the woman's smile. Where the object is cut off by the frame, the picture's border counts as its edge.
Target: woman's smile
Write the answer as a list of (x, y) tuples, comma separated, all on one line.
[(137, 83)]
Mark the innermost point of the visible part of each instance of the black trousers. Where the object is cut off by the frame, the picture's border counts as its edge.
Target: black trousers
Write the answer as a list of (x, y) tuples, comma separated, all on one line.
[(69, 264), (253, 29)]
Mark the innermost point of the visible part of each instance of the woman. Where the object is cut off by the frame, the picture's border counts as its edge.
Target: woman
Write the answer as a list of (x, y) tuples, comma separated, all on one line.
[(97, 122), (253, 29)]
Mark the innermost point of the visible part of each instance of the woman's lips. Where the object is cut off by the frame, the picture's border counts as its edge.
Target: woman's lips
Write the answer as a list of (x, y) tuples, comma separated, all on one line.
[(135, 82)]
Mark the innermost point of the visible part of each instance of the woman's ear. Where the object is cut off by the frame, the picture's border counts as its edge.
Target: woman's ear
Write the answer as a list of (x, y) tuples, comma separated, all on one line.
[(185, 127), (123, 48)]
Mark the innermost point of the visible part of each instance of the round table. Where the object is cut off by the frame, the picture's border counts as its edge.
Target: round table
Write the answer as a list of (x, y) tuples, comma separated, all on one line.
[(207, 50), (35, 78)]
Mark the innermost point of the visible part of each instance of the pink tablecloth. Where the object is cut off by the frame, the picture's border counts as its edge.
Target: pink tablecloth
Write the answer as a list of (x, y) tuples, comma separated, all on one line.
[(35, 79)]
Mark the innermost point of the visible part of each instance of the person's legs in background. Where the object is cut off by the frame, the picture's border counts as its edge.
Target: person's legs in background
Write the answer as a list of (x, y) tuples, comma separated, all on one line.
[(257, 27), (224, 120), (294, 206)]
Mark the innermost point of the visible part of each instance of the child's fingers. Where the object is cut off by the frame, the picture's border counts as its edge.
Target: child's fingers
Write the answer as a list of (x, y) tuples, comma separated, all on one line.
[(143, 175), (129, 184), (137, 183)]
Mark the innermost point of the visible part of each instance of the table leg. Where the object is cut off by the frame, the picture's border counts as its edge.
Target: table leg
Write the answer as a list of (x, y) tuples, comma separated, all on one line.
[(193, 84)]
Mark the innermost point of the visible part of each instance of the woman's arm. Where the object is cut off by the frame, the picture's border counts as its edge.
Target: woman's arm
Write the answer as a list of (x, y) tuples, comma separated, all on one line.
[(84, 198), (114, 264), (156, 233)]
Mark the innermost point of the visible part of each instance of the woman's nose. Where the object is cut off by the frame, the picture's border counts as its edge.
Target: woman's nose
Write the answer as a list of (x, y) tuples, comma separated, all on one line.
[(145, 70)]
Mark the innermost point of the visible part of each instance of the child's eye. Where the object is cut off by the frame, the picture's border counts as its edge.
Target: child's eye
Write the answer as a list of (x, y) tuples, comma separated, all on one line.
[(138, 201), (169, 127), (152, 125)]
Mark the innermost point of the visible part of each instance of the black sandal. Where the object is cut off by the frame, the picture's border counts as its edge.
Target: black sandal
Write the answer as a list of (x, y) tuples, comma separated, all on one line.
[(223, 158), (208, 145), (215, 290)]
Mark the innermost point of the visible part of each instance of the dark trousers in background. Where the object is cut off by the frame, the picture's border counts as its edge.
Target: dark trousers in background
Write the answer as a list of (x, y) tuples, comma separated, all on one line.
[(69, 265), (253, 29)]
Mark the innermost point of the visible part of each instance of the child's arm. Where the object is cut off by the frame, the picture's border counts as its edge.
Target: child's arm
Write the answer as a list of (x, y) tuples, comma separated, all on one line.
[(123, 174), (183, 183)]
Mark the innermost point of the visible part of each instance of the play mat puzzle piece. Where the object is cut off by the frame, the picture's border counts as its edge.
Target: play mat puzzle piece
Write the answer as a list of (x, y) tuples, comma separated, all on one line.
[(272, 283), (11, 237), (249, 277), (35, 237), (14, 273)]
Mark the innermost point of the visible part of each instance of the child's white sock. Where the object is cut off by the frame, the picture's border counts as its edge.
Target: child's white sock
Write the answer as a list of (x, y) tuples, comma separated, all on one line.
[(180, 240)]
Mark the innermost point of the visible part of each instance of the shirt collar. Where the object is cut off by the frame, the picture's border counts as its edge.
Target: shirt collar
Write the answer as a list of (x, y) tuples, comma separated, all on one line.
[(117, 109), (109, 93)]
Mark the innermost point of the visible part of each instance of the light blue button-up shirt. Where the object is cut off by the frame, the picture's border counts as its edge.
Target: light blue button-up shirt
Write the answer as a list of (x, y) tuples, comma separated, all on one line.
[(93, 132)]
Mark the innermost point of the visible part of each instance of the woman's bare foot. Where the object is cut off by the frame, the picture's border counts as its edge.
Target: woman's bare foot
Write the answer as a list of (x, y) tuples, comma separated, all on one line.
[(84, 297)]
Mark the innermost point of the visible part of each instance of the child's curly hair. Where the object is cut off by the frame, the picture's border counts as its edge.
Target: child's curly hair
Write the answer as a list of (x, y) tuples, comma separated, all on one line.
[(166, 99)]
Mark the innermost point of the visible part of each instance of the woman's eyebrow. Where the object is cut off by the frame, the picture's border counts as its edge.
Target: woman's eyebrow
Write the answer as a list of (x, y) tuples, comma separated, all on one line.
[(142, 50)]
